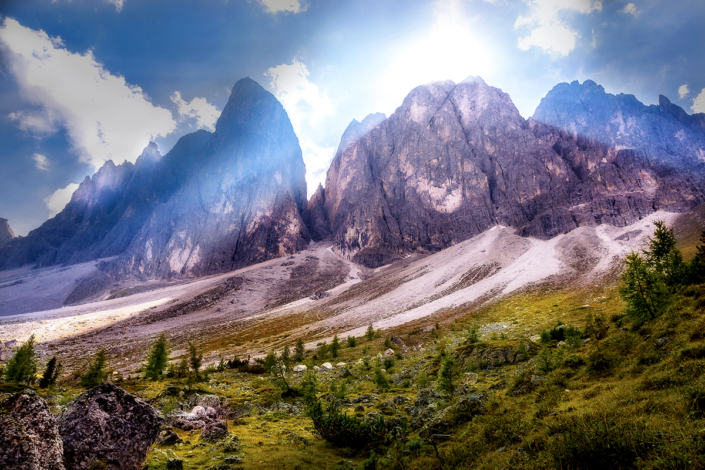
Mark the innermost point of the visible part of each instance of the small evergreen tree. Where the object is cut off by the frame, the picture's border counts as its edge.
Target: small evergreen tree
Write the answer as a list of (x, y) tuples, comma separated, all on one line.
[(370, 333), (335, 346), (697, 265), (22, 366), (322, 350), (51, 373), (195, 359), (352, 341), (157, 359), (98, 370), (286, 355), (445, 375), (299, 350), (308, 388)]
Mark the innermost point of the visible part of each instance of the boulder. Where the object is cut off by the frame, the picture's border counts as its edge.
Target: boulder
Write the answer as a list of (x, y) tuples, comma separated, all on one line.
[(389, 353), (108, 427), (341, 364), (300, 368), (29, 437), (168, 438), (214, 431), (281, 407), (327, 366)]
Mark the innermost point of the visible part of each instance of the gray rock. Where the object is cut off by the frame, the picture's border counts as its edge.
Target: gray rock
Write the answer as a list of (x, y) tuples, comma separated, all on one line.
[(6, 233), (106, 425), (29, 437), (168, 438), (281, 407), (214, 431)]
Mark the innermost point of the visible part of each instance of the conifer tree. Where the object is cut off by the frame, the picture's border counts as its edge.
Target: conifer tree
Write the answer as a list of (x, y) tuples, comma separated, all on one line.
[(98, 370), (335, 346), (195, 360), (51, 373), (370, 333), (286, 354), (23, 365), (157, 359), (299, 350)]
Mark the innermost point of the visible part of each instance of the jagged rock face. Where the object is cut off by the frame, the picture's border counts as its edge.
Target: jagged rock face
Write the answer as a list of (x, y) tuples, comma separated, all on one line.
[(241, 206), (664, 134), (213, 203), (106, 427), (454, 160), (107, 210), (6, 233), (29, 437)]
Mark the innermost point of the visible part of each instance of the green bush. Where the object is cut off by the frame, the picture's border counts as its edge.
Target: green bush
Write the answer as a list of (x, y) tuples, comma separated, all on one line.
[(341, 430), (352, 342), (381, 379)]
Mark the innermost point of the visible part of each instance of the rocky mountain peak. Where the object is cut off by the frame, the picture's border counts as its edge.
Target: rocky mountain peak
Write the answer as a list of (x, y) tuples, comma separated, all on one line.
[(149, 157), (6, 233)]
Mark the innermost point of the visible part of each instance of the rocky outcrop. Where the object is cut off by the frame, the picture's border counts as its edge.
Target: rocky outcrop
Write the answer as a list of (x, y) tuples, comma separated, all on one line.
[(29, 437), (6, 233), (455, 160), (242, 205), (107, 427)]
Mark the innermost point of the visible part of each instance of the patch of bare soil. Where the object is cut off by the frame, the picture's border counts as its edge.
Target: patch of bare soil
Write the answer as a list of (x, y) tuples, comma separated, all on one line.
[(308, 279), (200, 302)]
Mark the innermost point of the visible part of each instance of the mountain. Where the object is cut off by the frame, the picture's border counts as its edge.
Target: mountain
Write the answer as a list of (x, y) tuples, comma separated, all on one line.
[(215, 201), (6, 233), (107, 210), (240, 205), (663, 134), (455, 160)]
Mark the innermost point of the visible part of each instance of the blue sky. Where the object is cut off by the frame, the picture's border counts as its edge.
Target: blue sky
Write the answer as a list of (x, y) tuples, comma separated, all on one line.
[(84, 81)]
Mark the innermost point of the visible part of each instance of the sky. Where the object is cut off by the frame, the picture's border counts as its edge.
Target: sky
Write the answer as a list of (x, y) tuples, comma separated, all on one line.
[(87, 81)]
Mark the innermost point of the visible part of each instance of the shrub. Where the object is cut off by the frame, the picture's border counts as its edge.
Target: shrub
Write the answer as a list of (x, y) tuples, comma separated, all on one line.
[(286, 355), (22, 366), (600, 363), (473, 334), (341, 430), (352, 342), (308, 388), (388, 363), (157, 359), (98, 370), (322, 350), (381, 379), (422, 379)]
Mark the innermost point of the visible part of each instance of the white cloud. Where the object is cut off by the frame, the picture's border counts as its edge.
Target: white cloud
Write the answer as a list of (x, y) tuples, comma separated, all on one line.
[(629, 9), (699, 102), (548, 30), (317, 159), (306, 106), (205, 114), (41, 162), (275, 6), (57, 201), (106, 117), (38, 122), (683, 90)]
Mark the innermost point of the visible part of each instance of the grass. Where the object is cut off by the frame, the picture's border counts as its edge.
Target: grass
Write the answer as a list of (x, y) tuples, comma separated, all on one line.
[(629, 397)]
